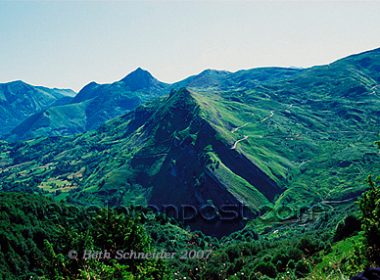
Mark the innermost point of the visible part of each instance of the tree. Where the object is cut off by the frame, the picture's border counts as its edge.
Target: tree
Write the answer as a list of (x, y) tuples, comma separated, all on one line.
[(370, 208)]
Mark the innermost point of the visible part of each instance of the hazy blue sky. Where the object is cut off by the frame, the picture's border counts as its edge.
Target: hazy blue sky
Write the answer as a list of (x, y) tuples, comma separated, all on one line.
[(68, 44)]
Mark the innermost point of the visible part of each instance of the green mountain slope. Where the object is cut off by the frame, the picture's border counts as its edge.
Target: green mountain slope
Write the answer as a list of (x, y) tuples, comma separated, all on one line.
[(92, 106), (164, 153), (19, 100), (295, 139)]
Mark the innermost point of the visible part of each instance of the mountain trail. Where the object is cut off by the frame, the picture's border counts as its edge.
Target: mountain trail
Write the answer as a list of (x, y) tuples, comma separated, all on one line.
[(237, 128), (236, 142), (270, 116), (373, 89)]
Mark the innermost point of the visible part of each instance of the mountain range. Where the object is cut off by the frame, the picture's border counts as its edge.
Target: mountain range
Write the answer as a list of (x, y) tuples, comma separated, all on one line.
[(19, 100), (92, 106), (267, 138)]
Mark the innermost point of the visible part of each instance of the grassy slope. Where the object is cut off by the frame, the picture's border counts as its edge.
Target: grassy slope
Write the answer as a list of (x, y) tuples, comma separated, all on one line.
[(340, 263), (309, 131)]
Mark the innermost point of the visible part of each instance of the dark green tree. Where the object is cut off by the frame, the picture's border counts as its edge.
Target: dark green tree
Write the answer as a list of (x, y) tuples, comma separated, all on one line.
[(370, 208)]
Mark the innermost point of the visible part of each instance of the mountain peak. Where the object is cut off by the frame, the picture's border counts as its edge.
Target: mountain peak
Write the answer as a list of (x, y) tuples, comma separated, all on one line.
[(214, 71), (16, 87), (15, 83), (180, 95), (140, 79), (139, 69)]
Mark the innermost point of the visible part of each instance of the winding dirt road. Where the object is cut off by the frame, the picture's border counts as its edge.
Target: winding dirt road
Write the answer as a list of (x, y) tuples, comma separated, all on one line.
[(236, 142)]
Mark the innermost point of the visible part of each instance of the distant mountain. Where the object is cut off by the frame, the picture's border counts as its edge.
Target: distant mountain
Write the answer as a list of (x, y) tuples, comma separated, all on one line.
[(217, 79), (19, 100), (142, 80), (205, 79), (97, 103), (92, 106), (139, 81)]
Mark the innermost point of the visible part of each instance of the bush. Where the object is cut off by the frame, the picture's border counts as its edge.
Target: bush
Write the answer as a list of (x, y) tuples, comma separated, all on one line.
[(310, 245), (302, 268), (347, 228), (266, 268)]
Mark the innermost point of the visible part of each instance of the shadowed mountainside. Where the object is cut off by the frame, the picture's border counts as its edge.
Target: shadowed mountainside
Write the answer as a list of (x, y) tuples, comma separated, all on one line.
[(19, 100)]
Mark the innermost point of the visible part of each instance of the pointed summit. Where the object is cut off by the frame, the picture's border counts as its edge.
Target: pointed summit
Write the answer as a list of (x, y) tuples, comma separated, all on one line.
[(17, 86), (140, 79)]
